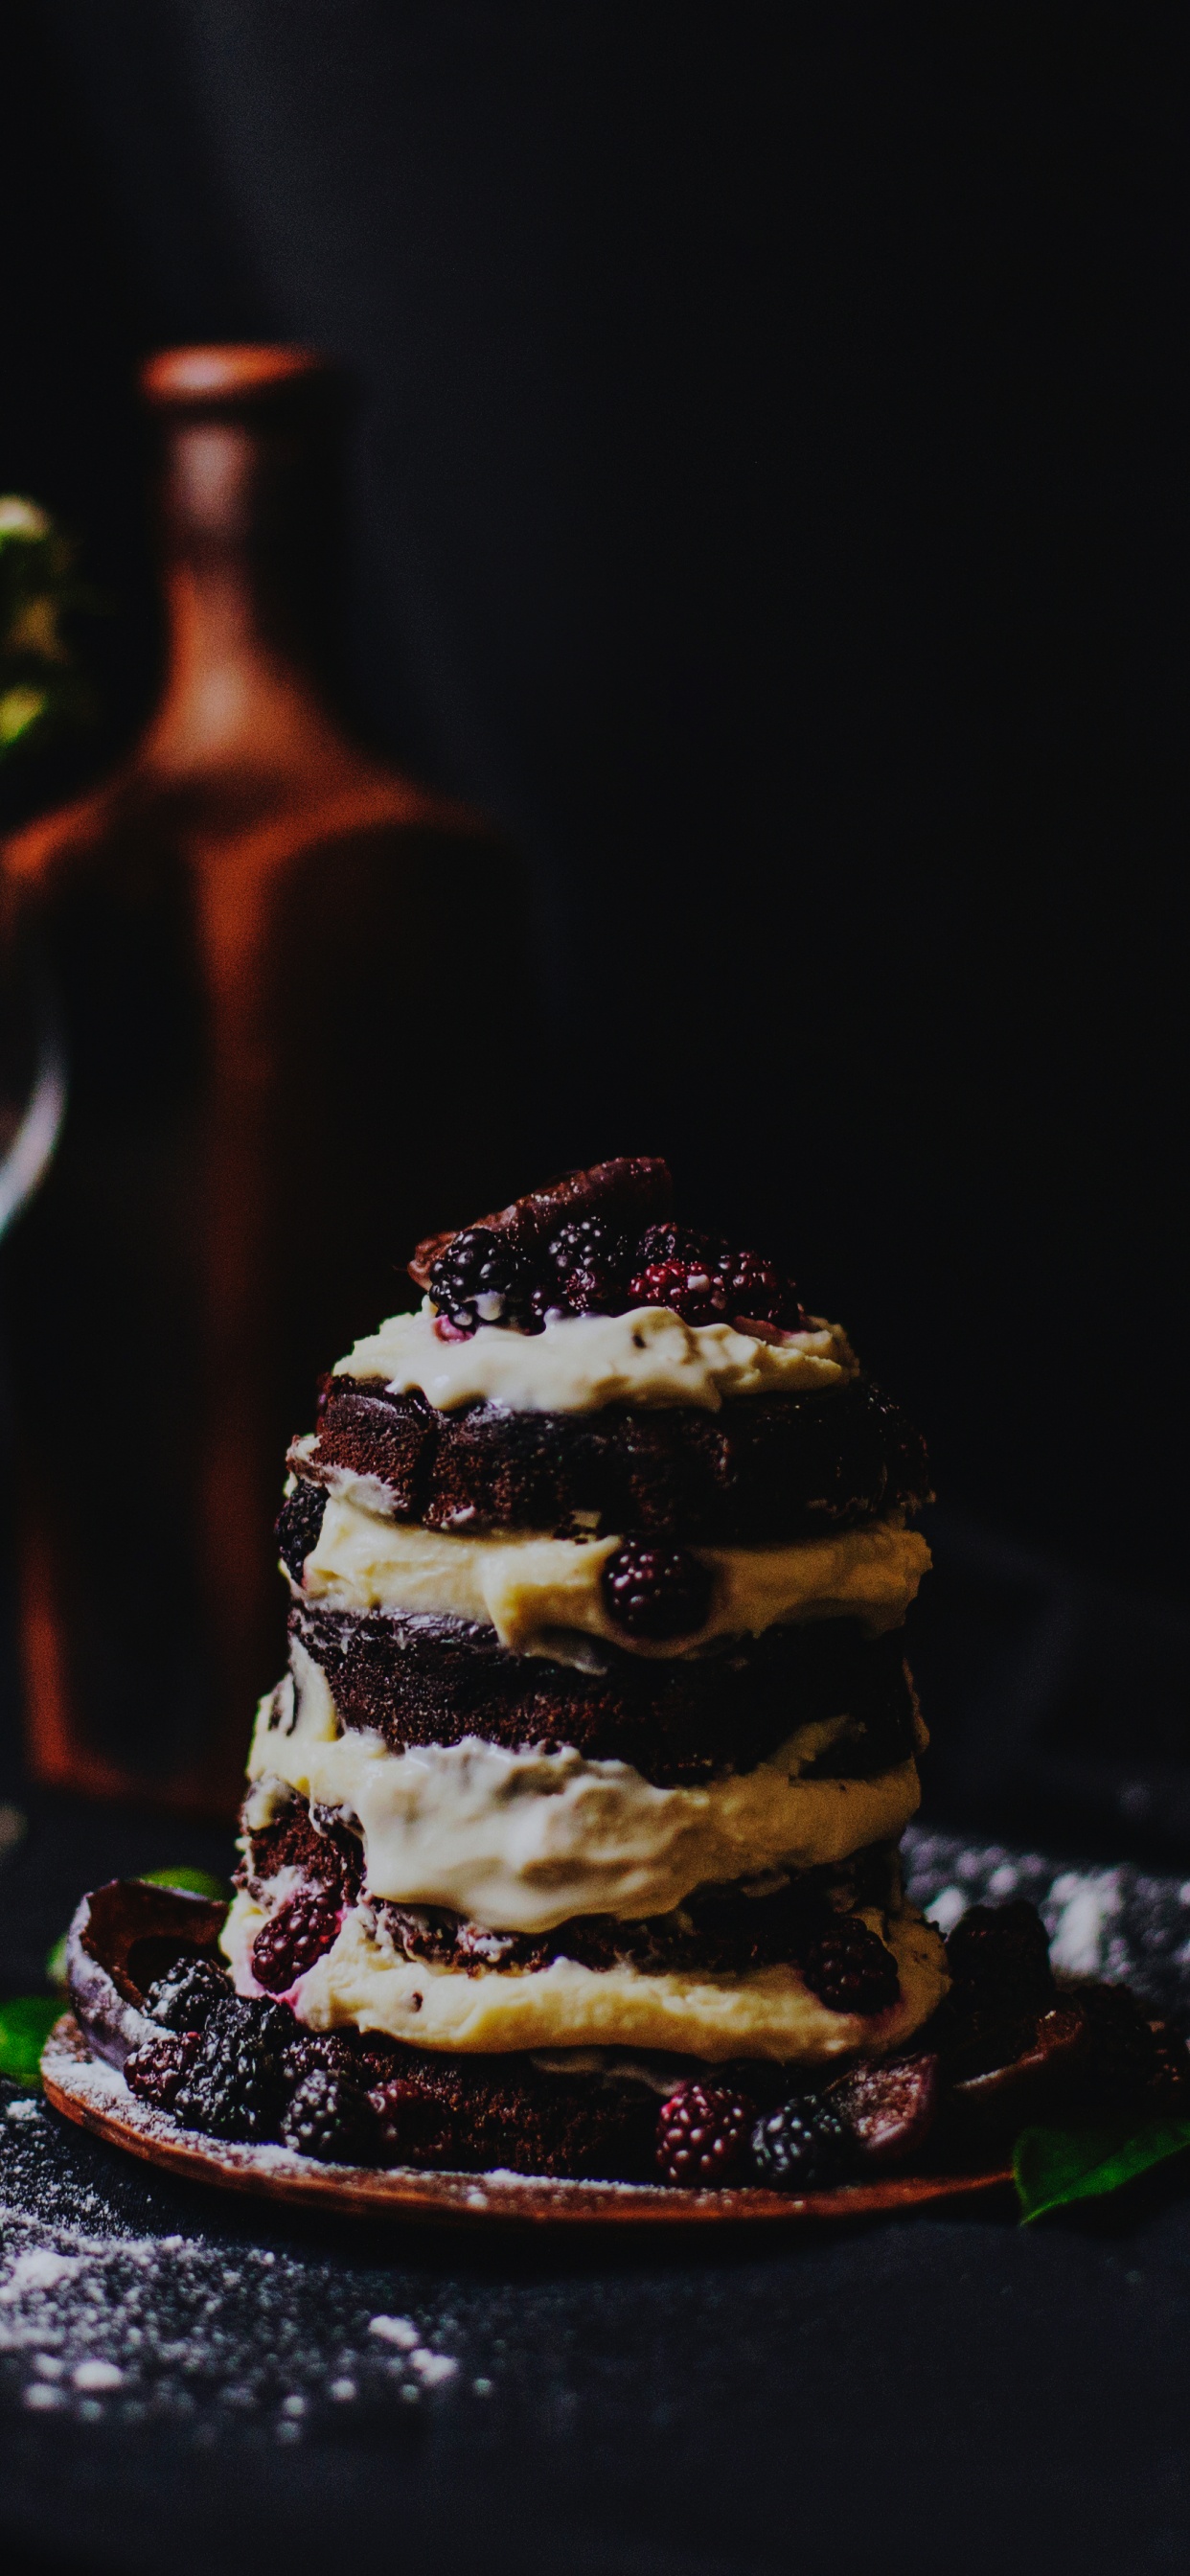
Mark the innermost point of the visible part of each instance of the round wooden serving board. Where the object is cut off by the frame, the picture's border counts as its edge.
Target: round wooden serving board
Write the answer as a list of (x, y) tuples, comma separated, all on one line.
[(86, 2090)]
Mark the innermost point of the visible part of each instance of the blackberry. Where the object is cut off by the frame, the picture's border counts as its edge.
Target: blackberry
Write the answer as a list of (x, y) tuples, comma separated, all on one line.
[(849, 1969), (999, 1960), (802, 2144), (482, 1279), (184, 1998), (156, 2072), (589, 1263), (236, 2086), (293, 1938), (415, 2127), (298, 1525), (1124, 2060), (330, 2117), (756, 1292), (703, 2133), (676, 1267), (327, 2050), (656, 1592)]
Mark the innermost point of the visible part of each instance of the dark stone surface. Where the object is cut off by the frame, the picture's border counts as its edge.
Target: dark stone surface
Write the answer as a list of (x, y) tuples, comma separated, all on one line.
[(891, 2395), (911, 2395)]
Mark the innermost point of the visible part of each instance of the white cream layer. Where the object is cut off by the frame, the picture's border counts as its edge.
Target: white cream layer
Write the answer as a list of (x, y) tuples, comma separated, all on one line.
[(582, 1362), (525, 1840), (768, 2013), (535, 1592)]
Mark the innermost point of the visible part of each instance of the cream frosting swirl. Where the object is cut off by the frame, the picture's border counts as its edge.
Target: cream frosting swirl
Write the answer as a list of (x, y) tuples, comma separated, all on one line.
[(542, 1594), (647, 1357), (767, 2012), (524, 1840)]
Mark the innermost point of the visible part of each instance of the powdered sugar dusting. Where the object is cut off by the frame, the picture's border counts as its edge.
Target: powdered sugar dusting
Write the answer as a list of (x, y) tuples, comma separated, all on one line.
[(102, 2322), (1129, 1925)]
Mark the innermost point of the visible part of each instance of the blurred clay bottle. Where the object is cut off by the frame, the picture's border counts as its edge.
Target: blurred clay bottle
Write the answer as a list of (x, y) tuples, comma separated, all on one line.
[(295, 996)]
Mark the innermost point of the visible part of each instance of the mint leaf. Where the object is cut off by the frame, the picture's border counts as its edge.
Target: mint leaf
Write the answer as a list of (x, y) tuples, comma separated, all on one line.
[(193, 1882), (25, 2026), (1054, 2167)]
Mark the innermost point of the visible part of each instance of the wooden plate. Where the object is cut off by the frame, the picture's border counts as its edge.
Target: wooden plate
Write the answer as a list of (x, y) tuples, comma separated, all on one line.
[(86, 2090)]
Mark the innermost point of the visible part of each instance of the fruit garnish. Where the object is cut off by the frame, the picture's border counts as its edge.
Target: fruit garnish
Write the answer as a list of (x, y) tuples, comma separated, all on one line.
[(656, 1592), (481, 1278), (849, 1969), (889, 2108), (802, 2145), (293, 1938), (625, 1193), (703, 2135)]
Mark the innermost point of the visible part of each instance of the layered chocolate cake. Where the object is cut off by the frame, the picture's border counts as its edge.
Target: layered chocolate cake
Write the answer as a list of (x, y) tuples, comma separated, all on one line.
[(597, 1739), (571, 1838)]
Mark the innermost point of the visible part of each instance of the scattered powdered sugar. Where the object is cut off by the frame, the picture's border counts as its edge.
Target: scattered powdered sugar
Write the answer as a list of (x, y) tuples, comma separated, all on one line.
[(105, 2321), (97, 2374), (1086, 1906), (1126, 1924), (398, 2330), (40, 2270)]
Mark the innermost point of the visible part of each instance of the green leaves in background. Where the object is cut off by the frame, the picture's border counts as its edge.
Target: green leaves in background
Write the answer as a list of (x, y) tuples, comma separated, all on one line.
[(193, 1882), (42, 694), (25, 2026), (1056, 2167)]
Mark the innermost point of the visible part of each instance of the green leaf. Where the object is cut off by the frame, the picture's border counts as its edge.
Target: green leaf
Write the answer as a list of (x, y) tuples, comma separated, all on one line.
[(192, 1882), (25, 2026), (20, 710), (55, 1967), (1054, 2167)]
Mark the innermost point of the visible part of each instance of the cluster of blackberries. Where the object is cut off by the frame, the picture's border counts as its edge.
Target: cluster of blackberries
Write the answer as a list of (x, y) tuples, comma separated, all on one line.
[(708, 2136), (708, 1281), (1002, 2003), (587, 1268), (239, 2067), (878, 2115)]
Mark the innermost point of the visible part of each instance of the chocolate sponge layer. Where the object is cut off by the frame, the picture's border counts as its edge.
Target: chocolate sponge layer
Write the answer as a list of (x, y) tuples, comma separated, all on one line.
[(434, 1681), (764, 1468)]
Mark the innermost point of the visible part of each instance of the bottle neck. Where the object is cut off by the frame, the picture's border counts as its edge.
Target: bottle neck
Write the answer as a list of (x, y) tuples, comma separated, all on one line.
[(240, 692)]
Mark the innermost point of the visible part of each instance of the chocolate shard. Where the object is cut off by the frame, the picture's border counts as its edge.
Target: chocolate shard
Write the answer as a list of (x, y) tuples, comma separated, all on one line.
[(889, 2109), (1047, 2067), (632, 1191), (123, 1936)]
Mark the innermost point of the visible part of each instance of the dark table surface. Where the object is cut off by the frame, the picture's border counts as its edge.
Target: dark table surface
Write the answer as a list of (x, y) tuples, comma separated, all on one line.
[(190, 2383)]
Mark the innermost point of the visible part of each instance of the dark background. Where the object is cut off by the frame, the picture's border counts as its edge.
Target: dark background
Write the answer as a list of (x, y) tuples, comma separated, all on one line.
[(767, 497)]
